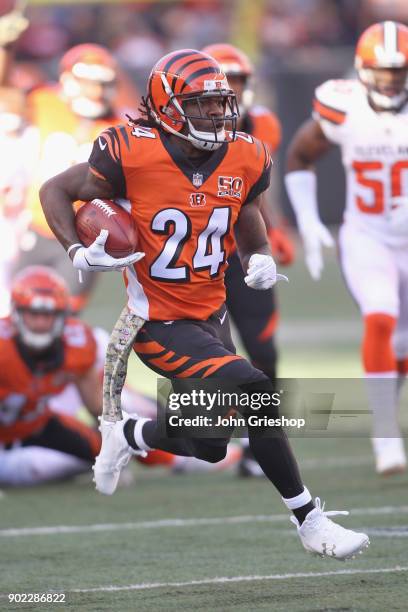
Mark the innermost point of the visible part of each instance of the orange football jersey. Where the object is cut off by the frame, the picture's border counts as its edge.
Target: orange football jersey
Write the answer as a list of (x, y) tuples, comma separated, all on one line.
[(264, 125), (185, 214), (64, 139), (24, 394)]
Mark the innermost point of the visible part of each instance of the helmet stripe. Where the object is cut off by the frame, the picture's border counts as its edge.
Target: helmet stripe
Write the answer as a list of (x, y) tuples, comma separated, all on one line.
[(175, 58), (182, 68), (390, 37), (198, 73)]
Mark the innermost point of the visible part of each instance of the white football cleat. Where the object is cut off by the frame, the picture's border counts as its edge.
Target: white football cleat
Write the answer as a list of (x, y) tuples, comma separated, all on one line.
[(321, 536), (390, 456), (114, 455)]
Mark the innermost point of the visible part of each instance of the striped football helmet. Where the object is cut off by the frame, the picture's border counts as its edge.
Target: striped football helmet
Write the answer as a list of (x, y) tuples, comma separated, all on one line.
[(384, 46), (191, 76), (38, 289), (235, 63), (88, 75)]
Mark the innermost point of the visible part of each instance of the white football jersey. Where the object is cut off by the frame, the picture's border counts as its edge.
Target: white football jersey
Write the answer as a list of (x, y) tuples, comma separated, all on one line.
[(374, 148)]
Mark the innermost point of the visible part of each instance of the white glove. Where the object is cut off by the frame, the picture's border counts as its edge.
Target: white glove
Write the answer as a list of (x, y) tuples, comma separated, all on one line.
[(261, 273), (95, 257), (314, 235), (302, 190), (399, 216), (12, 25)]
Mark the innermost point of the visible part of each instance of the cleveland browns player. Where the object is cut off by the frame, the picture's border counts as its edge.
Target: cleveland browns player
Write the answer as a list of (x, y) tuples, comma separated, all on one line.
[(190, 184), (255, 315), (368, 118)]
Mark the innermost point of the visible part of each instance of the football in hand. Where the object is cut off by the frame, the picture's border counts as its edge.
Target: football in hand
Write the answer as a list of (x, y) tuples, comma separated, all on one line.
[(96, 215)]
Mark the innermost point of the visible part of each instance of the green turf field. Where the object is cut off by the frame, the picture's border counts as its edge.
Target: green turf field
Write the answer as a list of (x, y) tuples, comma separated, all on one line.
[(190, 534), (213, 542)]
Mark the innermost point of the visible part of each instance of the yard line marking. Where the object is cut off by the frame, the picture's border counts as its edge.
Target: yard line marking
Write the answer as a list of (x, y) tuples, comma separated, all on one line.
[(391, 532), (336, 462), (159, 585), (181, 522), (378, 532)]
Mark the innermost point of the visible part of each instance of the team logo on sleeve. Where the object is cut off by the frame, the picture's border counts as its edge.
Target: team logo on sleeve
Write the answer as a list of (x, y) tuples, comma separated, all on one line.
[(230, 186), (197, 199)]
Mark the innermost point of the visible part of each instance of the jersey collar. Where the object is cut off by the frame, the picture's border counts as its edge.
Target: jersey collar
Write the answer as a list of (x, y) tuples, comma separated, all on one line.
[(189, 168)]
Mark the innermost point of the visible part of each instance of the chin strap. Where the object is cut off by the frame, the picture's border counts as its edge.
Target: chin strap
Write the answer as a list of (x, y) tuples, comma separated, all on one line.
[(387, 103)]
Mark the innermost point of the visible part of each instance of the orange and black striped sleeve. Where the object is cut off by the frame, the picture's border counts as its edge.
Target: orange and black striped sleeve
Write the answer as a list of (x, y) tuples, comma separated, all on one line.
[(262, 183), (105, 160)]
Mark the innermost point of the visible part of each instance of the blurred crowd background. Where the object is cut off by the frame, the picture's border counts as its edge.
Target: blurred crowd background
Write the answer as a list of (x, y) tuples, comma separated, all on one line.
[(295, 45), (141, 31)]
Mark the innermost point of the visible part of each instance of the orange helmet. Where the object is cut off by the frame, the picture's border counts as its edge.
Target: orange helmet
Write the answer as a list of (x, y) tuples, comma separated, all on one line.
[(231, 59), (88, 75), (190, 75), (234, 62), (39, 289), (383, 45)]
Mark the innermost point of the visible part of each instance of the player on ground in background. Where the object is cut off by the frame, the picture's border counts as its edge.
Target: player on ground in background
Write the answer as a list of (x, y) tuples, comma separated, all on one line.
[(68, 116), (42, 350), (51, 367), (368, 119), (190, 182), (255, 314)]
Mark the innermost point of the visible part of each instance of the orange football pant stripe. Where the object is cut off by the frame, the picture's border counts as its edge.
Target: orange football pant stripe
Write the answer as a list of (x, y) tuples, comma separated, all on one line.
[(157, 457), (270, 328), (377, 351)]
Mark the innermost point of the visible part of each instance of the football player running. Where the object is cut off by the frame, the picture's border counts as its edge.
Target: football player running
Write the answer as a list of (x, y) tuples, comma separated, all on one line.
[(189, 182), (368, 118), (255, 315)]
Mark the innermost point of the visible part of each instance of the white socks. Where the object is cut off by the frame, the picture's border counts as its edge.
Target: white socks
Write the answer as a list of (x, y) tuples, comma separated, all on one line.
[(300, 500), (382, 392)]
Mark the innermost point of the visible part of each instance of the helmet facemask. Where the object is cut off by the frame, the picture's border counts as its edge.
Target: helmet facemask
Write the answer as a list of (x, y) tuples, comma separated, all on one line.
[(88, 75), (382, 64), (86, 104), (38, 291), (239, 71), (242, 84), (205, 139), (38, 340), (369, 78)]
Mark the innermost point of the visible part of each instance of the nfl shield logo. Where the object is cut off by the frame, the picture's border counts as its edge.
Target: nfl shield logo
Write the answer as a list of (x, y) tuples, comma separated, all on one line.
[(197, 179)]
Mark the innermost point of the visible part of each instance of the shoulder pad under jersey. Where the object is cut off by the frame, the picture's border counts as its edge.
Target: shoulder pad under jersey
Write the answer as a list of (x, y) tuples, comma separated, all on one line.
[(333, 100)]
